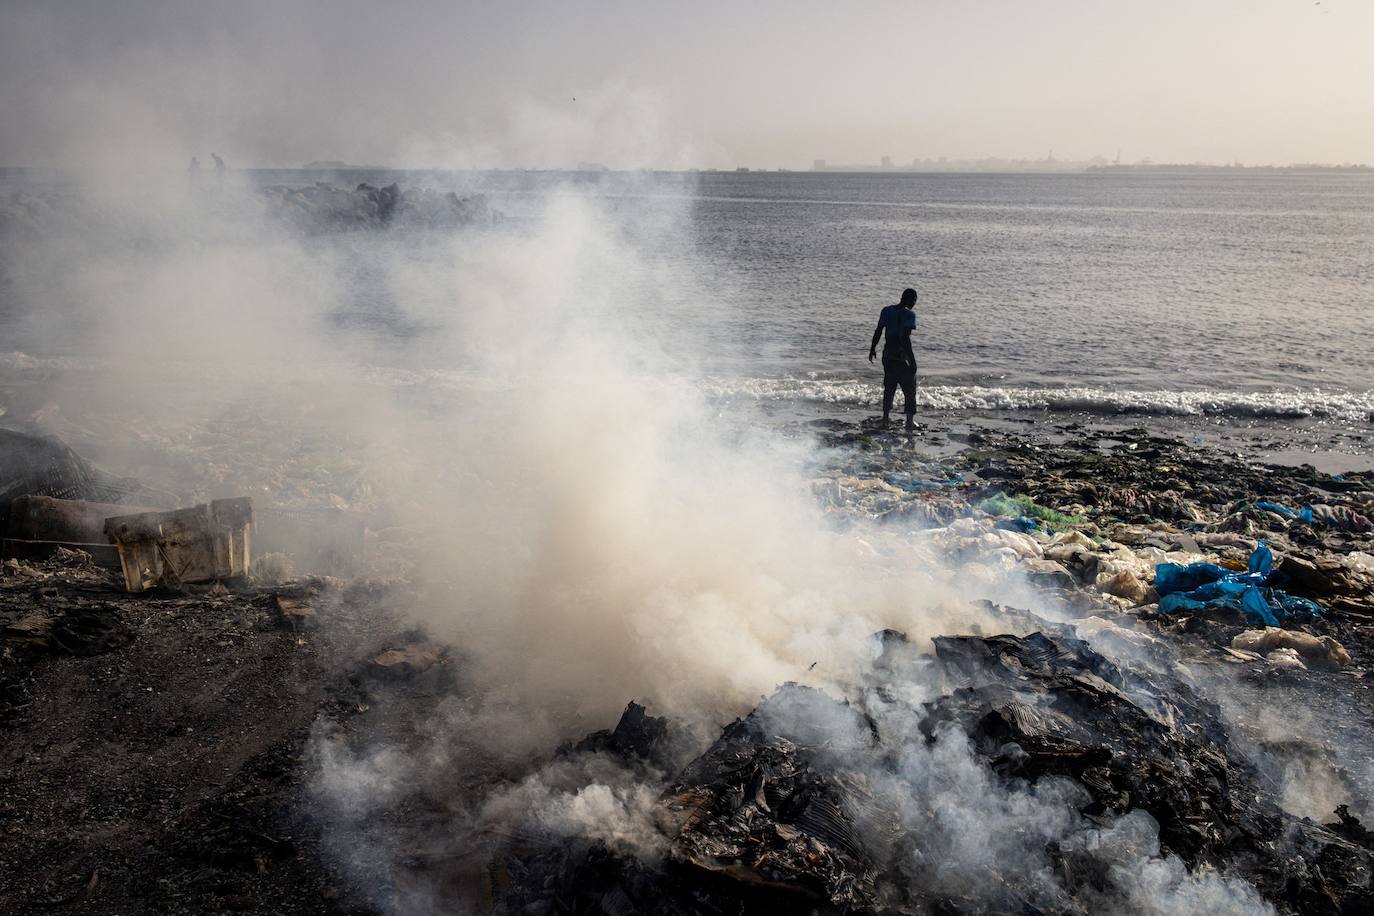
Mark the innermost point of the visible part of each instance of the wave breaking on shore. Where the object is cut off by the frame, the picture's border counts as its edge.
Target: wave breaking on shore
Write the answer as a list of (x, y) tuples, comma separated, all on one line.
[(1335, 405)]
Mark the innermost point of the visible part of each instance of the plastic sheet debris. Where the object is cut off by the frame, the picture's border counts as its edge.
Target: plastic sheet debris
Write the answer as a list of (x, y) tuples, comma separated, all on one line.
[(1048, 573), (1203, 586), (917, 485), (1320, 651), (1024, 506), (1325, 576), (1285, 658), (1275, 507), (33, 465), (1340, 517)]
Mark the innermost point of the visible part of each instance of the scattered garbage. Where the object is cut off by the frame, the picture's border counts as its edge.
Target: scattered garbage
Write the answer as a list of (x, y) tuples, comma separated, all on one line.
[(294, 612), (811, 802), (637, 736), (1285, 658), (1323, 651), (1048, 573), (406, 661), (1025, 507), (1341, 517), (1203, 586)]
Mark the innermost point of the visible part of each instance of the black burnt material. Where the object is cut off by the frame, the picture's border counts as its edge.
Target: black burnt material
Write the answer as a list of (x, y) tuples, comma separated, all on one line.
[(637, 737), (781, 813)]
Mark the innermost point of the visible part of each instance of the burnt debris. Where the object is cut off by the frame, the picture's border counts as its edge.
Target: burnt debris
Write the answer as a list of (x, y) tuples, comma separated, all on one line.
[(805, 805)]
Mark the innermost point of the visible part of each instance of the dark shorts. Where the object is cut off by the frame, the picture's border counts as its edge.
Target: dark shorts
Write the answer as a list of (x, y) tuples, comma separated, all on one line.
[(898, 373)]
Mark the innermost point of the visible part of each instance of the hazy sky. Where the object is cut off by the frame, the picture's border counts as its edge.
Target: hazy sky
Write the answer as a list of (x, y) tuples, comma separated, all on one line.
[(763, 84)]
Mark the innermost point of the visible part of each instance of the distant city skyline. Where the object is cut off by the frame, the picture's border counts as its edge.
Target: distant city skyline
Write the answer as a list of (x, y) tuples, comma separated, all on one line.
[(539, 84)]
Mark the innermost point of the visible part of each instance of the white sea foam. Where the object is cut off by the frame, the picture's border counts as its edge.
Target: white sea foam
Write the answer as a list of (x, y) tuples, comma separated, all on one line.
[(1337, 405), (1345, 406)]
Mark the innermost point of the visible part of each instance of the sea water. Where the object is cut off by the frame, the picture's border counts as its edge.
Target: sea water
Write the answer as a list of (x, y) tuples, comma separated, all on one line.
[(1223, 299)]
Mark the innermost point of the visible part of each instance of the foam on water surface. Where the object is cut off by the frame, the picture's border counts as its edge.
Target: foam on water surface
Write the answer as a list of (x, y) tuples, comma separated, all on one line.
[(1346, 406)]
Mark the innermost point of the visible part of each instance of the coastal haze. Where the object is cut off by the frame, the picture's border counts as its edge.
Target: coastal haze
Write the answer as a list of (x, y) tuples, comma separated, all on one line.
[(538, 84)]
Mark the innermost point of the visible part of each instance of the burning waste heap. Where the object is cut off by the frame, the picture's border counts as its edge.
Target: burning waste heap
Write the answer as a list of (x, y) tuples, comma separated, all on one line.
[(1099, 786)]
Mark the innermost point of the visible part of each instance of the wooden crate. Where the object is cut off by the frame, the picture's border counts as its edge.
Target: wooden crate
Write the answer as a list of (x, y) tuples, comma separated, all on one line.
[(204, 543)]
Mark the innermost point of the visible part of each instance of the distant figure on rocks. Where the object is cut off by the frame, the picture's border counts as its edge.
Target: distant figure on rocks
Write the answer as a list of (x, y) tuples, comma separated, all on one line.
[(194, 168), (899, 360), (219, 165)]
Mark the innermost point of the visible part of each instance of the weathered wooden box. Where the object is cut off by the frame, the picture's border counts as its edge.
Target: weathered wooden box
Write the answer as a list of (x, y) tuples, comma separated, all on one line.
[(204, 543)]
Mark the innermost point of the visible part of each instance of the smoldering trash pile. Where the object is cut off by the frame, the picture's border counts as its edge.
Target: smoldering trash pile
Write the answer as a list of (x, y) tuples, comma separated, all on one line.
[(1181, 724), (1116, 783)]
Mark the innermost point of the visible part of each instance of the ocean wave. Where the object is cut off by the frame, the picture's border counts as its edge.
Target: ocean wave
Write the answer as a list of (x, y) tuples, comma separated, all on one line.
[(1348, 406), (1357, 407)]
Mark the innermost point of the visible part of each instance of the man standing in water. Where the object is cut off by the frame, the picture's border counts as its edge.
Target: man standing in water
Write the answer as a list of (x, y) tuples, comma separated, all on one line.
[(899, 360)]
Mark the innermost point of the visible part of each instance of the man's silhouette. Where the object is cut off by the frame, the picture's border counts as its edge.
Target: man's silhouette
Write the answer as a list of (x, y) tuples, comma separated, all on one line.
[(899, 360)]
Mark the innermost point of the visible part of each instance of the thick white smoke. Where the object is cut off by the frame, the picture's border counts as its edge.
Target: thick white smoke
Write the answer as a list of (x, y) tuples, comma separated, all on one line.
[(519, 410)]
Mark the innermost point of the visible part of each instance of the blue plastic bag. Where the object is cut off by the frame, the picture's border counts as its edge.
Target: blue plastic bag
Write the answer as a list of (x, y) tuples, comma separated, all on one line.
[(1256, 607), (1171, 578), (1205, 585)]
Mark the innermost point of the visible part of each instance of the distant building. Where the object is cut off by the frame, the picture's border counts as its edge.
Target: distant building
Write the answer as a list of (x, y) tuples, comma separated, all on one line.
[(887, 162), (818, 165), (742, 168)]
